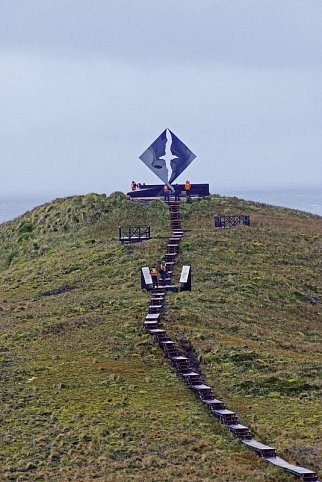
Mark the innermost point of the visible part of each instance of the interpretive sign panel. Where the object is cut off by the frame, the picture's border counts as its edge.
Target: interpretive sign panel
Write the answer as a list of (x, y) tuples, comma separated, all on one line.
[(185, 278), (146, 280)]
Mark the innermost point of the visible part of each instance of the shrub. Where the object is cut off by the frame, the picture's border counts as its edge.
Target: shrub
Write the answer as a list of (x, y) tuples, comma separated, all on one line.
[(25, 227)]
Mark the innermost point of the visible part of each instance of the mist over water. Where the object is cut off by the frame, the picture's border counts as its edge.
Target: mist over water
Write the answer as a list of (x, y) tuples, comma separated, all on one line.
[(306, 199), (13, 207)]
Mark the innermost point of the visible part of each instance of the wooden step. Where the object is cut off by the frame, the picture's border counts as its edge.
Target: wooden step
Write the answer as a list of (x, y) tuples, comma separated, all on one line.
[(150, 325), (171, 287), (169, 264), (301, 472), (241, 431), (226, 416), (152, 317), (159, 290), (172, 248), (204, 391), (181, 364), (159, 335), (214, 404), (192, 378), (157, 300), (170, 257), (170, 348), (155, 308), (263, 450), (174, 240)]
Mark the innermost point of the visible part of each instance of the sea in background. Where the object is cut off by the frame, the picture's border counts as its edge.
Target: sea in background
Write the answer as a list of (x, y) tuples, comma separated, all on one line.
[(12, 207), (307, 199)]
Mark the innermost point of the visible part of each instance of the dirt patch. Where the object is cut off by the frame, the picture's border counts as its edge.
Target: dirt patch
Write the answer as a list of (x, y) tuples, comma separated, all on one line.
[(58, 291)]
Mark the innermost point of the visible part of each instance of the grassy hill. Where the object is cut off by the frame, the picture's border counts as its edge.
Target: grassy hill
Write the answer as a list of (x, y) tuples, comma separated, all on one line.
[(87, 395)]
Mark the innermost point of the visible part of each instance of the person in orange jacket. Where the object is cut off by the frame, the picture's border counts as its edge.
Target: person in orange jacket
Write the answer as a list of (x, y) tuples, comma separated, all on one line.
[(187, 188)]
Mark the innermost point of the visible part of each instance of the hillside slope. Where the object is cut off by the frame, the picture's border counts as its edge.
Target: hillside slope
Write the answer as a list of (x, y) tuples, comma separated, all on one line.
[(87, 395)]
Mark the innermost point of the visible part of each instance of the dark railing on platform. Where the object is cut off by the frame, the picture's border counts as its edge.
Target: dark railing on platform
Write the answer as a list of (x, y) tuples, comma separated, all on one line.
[(228, 221), (156, 191), (134, 234)]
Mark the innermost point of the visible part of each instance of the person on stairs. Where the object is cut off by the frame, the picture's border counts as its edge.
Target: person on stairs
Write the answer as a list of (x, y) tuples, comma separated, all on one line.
[(163, 272), (154, 276), (187, 188), (166, 193), (177, 191)]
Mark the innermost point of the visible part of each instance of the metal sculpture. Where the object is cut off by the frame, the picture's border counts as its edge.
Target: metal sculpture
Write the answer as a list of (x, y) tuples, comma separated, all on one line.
[(167, 157)]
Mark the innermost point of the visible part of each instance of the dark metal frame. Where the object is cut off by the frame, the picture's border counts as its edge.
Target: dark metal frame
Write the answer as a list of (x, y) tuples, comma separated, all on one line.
[(229, 221), (134, 234)]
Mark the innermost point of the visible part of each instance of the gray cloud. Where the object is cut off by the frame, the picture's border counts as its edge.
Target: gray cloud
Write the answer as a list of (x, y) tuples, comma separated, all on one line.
[(269, 32), (86, 86)]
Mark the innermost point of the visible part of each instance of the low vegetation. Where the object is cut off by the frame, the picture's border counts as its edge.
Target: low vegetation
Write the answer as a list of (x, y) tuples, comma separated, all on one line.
[(87, 395)]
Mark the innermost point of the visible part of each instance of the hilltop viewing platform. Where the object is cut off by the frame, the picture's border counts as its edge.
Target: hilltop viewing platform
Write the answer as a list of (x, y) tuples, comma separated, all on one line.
[(153, 191)]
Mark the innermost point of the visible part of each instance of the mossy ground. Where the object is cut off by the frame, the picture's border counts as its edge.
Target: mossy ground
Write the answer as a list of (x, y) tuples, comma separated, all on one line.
[(86, 395)]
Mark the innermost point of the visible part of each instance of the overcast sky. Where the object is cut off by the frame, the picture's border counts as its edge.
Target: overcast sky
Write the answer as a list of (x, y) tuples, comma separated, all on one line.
[(87, 85)]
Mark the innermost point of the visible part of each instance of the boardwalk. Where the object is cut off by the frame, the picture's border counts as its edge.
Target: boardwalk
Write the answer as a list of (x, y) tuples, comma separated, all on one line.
[(195, 380)]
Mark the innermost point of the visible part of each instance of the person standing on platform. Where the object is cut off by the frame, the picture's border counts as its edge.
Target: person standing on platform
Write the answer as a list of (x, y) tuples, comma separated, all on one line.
[(166, 193), (163, 272), (133, 185), (177, 191), (187, 188), (154, 276)]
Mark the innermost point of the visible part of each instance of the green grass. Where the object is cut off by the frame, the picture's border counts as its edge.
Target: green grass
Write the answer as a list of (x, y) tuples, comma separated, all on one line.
[(87, 395)]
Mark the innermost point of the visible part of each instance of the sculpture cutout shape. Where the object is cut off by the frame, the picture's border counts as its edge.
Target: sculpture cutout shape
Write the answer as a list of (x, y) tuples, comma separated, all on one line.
[(167, 157)]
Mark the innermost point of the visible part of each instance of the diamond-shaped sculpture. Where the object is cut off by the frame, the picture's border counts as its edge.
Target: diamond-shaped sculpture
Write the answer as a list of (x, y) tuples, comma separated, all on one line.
[(167, 157)]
